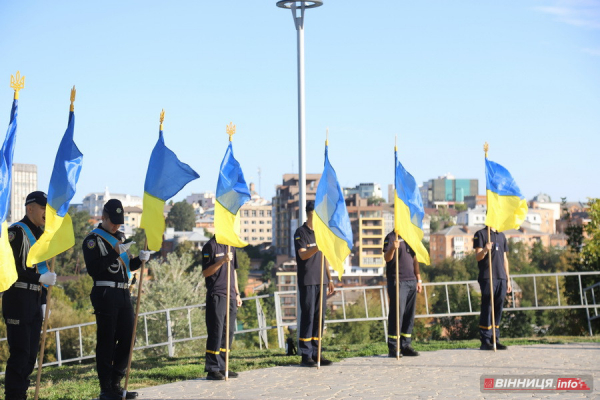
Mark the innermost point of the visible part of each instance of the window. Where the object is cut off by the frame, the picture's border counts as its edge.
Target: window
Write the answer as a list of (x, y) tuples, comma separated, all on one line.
[(261, 213), (254, 213), (268, 230), (245, 213), (253, 230), (268, 213), (261, 222), (261, 230), (253, 222)]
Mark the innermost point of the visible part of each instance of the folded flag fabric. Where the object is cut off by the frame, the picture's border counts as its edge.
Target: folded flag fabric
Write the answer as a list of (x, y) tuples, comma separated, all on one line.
[(409, 211), (58, 233), (8, 272), (331, 222), (166, 176), (232, 193), (506, 206)]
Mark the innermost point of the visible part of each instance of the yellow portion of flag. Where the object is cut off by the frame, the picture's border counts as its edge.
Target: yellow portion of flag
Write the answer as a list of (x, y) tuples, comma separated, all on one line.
[(505, 212), (8, 271), (412, 234), (227, 227), (334, 248), (153, 221), (58, 236)]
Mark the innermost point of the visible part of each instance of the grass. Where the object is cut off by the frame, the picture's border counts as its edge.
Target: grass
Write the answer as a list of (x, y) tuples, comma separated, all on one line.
[(80, 381)]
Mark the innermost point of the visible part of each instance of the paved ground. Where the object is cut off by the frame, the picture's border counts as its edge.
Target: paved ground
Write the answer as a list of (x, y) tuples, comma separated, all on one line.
[(443, 374)]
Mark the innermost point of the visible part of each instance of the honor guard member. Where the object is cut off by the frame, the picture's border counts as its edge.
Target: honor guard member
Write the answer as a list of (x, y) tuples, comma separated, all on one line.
[(410, 285), (23, 304), (109, 264), (308, 259), (497, 247), (215, 259)]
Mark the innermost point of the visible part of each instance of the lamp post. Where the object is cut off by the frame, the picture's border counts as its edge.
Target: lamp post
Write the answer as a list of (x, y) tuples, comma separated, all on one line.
[(298, 7)]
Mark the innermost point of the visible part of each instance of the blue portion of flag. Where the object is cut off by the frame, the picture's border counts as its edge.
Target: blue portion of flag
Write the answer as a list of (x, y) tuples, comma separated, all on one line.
[(67, 167), (166, 175), (499, 180), (6, 161), (232, 190), (407, 190)]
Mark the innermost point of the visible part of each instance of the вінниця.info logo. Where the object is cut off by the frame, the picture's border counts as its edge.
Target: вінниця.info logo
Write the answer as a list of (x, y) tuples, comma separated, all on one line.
[(529, 383)]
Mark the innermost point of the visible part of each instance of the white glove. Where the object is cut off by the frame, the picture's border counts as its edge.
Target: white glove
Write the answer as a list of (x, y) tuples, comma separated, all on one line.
[(44, 311), (124, 247), (145, 255), (49, 278)]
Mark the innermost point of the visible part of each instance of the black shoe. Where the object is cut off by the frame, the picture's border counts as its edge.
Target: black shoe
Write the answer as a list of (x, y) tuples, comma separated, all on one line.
[(230, 375), (486, 346), (392, 354), (325, 362), (409, 352), (109, 395), (215, 376), (308, 362), (500, 346)]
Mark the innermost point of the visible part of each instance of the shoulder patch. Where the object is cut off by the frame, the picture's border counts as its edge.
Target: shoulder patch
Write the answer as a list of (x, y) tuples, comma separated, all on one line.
[(91, 243), (297, 238), (206, 255), (11, 236)]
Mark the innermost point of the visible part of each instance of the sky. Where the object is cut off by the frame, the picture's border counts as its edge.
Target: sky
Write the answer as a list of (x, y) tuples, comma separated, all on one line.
[(442, 76)]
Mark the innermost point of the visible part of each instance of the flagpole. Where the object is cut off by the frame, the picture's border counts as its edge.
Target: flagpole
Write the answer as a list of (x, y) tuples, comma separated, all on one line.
[(135, 321), (227, 317), (321, 310), (397, 272), (44, 332), (486, 147)]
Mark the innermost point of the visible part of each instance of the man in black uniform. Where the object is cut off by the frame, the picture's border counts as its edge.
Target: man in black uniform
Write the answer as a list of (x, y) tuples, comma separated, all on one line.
[(497, 246), (308, 259), (215, 259), (109, 264), (410, 285), (23, 303)]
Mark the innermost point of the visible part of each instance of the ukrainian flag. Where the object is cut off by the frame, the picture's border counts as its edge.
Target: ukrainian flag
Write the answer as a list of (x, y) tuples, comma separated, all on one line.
[(232, 193), (58, 233), (166, 176), (408, 211), (331, 222), (8, 272), (506, 206)]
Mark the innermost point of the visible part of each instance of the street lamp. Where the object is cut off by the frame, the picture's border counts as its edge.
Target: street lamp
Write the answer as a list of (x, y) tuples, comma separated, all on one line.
[(298, 7)]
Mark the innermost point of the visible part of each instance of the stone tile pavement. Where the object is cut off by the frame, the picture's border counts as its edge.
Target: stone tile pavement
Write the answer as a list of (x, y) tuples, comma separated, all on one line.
[(444, 374)]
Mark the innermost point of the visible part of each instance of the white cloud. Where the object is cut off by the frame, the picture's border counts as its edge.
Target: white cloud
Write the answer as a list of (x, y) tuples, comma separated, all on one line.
[(584, 13)]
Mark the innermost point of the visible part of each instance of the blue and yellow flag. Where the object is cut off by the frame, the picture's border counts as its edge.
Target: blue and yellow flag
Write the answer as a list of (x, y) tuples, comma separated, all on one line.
[(8, 272), (58, 233), (331, 222), (408, 211), (506, 206), (166, 176), (232, 193)]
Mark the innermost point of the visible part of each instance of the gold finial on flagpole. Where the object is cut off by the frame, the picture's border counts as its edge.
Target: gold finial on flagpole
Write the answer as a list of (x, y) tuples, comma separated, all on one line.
[(396, 143), (162, 118), (327, 136), (73, 93), (17, 82), (230, 129), (486, 147)]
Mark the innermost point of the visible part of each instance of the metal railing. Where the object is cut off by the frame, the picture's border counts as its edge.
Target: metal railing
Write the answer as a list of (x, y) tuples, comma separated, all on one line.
[(341, 300)]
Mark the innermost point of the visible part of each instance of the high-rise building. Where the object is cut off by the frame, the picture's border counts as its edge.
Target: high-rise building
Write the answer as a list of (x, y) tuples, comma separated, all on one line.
[(368, 230), (364, 190), (256, 220), (285, 210), (446, 191), (94, 202), (24, 181)]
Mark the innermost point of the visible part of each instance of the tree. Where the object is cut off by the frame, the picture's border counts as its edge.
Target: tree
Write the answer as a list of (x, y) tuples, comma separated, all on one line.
[(243, 269), (182, 216), (459, 207), (71, 261), (375, 201)]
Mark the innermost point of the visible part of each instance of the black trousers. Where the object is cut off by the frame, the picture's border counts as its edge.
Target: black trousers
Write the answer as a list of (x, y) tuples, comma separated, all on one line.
[(216, 310), (308, 345), (408, 302), (485, 318), (22, 313), (114, 323)]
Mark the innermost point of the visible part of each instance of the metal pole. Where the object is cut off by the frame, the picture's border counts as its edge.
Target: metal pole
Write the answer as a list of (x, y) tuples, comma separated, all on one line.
[(301, 116)]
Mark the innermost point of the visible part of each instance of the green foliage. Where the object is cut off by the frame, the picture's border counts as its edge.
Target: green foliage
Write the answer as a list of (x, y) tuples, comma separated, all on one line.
[(460, 207), (182, 216), (71, 261), (356, 332), (375, 201), (268, 271), (78, 292), (139, 237)]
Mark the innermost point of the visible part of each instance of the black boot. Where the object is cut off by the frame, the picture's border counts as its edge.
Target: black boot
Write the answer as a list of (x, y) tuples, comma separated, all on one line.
[(107, 392), (117, 388)]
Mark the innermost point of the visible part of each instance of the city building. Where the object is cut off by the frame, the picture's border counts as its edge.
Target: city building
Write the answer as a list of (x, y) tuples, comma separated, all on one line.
[(538, 219), (93, 203), (446, 191), (256, 220), (173, 238), (364, 190), (205, 200), (286, 280), (367, 222), (24, 181), (285, 210)]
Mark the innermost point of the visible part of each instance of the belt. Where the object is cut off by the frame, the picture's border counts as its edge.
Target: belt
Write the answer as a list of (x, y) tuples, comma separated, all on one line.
[(119, 285), (30, 286)]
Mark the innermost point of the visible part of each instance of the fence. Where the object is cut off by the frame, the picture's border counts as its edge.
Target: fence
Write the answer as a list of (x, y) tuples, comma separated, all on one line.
[(341, 299)]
